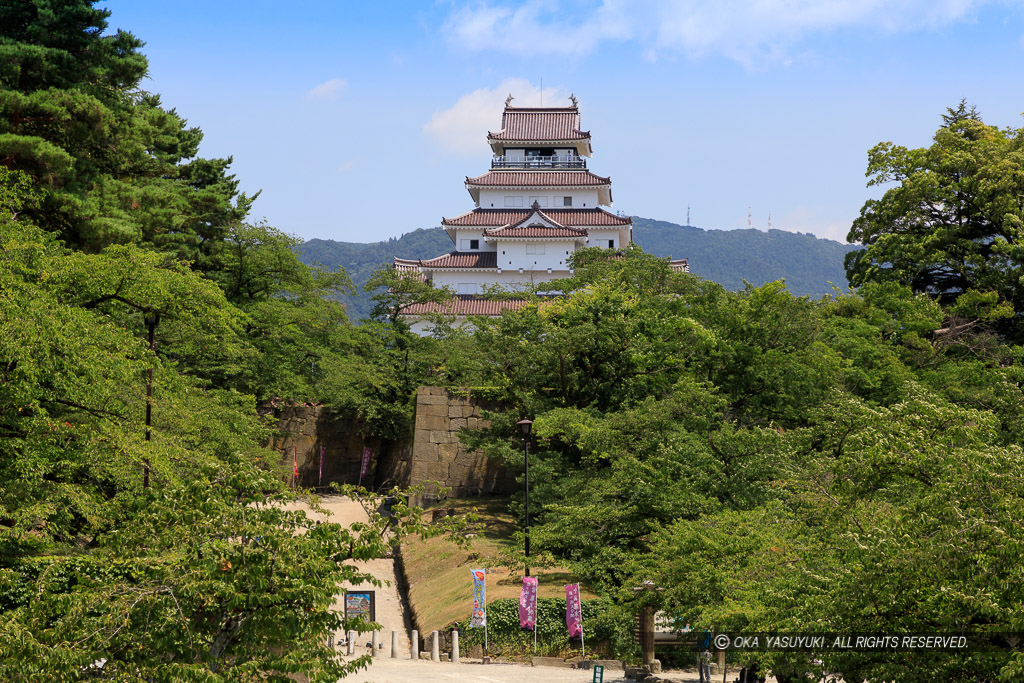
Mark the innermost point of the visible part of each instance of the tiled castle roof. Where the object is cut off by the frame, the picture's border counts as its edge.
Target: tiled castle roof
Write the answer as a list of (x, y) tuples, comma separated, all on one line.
[(535, 231), (568, 217), (538, 179), (455, 259), (540, 124), (466, 305)]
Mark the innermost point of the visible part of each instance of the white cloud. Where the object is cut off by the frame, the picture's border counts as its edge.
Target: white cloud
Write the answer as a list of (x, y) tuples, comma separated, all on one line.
[(463, 128), (328, 91), (749, 31), (818, 220)]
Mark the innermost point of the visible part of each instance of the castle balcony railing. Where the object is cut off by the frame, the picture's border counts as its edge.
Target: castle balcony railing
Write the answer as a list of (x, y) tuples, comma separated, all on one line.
[(539, 162)]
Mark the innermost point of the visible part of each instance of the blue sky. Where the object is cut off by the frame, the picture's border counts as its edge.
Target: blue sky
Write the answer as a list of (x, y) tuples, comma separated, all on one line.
[(359, 121)]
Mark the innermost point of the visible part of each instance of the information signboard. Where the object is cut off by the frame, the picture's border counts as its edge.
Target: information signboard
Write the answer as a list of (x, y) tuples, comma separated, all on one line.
[(361, 604)]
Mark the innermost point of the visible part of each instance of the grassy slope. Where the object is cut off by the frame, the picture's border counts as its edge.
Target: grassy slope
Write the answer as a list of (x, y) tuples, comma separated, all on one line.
[(440, 585)]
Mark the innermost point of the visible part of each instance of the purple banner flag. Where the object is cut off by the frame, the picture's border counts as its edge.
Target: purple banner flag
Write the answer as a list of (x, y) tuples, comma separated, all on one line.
[(528, 603), (573, 610), (366, 462), (479, 617)]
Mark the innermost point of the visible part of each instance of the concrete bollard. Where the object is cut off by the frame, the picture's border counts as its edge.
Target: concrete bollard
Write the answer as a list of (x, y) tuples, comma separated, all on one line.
[(394, 645), (350, 643), (435, 646), (455, 647), (415, 645), (374, 642)]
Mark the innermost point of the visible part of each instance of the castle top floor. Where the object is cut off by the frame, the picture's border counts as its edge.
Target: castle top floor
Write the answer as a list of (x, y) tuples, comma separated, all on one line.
[(540, 137)]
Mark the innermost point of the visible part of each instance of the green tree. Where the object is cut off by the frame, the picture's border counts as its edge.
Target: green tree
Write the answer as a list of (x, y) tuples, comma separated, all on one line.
[(203, 575), (112, 164), (952, 226)]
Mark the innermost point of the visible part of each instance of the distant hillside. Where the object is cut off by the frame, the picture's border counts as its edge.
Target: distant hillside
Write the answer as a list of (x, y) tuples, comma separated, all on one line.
[(728, 257), (360, 259), (807, 263)]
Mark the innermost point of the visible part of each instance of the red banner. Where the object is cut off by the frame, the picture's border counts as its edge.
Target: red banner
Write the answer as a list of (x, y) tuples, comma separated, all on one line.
[(528, 603), (573, 610), (295, 462)]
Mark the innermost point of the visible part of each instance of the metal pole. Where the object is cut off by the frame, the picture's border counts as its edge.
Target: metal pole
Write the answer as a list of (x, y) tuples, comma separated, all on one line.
[(526, 450), (583, 642)]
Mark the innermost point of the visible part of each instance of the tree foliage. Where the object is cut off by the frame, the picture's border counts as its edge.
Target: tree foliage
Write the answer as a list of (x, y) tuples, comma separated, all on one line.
[(112, 164), (771, 462), (952, 226), (166, 548)]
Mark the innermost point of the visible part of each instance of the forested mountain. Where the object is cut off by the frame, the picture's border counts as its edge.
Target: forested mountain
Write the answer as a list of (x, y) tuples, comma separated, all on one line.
[(729, 257)]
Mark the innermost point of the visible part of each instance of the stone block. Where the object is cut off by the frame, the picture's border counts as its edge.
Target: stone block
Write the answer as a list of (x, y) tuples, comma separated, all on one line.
[(441, 437), (438, 471), (433, 423), (424, 451), (433, 411), (457, 423), (608, 664), (454, 411), (448, 451), (467, 458)]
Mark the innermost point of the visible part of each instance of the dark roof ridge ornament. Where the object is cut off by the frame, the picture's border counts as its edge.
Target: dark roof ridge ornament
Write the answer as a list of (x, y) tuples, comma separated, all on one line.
[(535, 206), (575, 102), (508, 100)]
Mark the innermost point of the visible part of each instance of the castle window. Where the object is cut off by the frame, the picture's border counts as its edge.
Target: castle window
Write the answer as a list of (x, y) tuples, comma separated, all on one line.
[(513, 201), (534, 248), (566, 201)]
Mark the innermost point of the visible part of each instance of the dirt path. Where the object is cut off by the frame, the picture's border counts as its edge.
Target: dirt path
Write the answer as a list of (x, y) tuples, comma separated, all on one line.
[(390, 615)]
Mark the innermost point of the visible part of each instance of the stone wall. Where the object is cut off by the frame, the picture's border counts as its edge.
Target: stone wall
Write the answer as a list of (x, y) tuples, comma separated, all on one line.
[(437, 453), (434, 454), (305, 427)]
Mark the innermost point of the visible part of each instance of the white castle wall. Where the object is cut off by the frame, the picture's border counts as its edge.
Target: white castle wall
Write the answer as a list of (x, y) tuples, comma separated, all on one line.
[(549, 198)]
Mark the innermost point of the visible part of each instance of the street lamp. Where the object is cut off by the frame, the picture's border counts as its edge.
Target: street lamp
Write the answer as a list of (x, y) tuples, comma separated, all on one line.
[(525, 427)]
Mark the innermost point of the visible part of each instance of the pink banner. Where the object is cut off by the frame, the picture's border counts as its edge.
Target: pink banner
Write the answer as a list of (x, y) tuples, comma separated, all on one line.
[(528, 603), (366, 462), (573, 610)]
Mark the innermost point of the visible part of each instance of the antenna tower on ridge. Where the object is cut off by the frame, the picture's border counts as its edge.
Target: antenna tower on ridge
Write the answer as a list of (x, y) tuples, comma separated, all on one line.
[(688, 214), (750, 223), (769, 220)]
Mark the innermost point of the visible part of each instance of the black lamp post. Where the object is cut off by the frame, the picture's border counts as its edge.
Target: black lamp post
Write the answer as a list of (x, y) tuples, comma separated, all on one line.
[(525, 426)]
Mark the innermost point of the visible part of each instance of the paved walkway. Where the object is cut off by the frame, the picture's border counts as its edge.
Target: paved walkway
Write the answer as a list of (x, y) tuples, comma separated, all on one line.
[(472, 671)]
